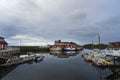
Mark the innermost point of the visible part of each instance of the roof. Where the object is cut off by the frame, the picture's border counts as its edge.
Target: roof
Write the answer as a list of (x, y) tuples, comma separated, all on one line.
[(114, 44), (1, 37)]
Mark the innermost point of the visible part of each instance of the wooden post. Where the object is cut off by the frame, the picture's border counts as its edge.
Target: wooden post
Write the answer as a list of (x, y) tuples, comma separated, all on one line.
[(114, 61)]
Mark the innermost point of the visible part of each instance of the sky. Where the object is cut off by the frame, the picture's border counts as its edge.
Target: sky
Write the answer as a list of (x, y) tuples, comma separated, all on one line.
[(41, 22)]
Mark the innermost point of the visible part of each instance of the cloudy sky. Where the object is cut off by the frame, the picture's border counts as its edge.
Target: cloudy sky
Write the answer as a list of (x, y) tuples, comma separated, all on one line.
[(39, 22)]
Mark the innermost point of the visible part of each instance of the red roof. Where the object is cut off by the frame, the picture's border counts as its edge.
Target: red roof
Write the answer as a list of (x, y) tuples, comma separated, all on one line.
[(115, 44)]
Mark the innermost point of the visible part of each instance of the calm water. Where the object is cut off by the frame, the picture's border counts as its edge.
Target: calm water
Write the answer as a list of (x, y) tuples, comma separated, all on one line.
[(56, 66)]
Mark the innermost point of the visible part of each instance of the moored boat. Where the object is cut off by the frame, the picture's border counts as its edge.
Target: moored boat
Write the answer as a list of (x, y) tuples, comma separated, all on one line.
[(69, 49), (87, 57), (55, 48), (114, 53)]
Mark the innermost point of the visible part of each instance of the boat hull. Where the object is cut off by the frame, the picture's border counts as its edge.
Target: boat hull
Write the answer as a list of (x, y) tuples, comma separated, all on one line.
[(69, 49), (56, 49)]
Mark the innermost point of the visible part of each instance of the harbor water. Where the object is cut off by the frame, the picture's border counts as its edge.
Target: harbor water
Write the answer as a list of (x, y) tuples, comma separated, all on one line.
[(57, 66)]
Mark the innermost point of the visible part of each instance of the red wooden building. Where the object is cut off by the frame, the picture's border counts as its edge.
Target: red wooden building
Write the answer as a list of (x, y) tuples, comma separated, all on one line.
[(114, 44), (3, 44), (59, 45)]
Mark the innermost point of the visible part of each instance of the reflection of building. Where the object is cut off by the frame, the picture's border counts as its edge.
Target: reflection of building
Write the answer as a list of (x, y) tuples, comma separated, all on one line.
[(115, 75), (108, 73), (64, 54), (5, 71), (65, 46)]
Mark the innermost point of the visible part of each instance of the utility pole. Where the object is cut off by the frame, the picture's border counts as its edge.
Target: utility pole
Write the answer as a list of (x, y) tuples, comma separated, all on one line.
[(20, 45)]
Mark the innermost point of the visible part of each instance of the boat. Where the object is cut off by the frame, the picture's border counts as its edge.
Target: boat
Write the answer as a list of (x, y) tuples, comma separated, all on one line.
[(71, 52), (98, 61), (88, 56), (39, 58), (54, 52), (94, 52), (72, 47), (55, 48), (68, 48), (103, 60), (114, 53)]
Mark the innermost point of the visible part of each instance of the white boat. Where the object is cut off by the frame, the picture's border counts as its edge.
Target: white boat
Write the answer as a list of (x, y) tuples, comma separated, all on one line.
[(55, 49), (113, 53), (39, 58), (88, 56), (69, 49), (55, 52), (35, 57), (70, 52)]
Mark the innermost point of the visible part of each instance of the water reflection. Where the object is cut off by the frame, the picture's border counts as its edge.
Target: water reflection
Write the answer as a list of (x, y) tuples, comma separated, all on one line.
[(54, 68), (115, 74), (64, 54), (5, 71)]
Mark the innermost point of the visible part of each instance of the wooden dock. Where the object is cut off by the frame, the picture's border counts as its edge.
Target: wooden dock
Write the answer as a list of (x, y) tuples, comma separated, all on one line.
[(9, 51), (18, 60), (21, 60), (104, 63)]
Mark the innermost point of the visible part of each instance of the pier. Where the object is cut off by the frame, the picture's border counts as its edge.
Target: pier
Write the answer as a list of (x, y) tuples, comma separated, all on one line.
[(9, 51)]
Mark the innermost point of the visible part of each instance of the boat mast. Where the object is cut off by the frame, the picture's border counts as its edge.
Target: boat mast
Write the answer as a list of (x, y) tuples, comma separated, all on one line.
[(92, 46), (99, 41)]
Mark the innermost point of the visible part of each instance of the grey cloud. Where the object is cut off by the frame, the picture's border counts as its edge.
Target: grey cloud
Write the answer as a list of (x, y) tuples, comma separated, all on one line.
[(77, 15), (83, 34), (111, 29), (114, 21), (76, 20)]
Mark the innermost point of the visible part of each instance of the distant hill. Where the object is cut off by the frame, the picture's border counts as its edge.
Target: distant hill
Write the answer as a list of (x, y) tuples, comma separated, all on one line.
[(93, 46), (32, 48)]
